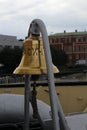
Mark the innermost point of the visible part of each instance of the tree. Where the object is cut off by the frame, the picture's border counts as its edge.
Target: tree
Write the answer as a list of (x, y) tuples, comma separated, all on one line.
[(10, 58), (59, 57)]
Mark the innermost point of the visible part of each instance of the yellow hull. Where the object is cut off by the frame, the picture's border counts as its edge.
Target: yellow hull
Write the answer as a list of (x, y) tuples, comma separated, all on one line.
[(72, 98)]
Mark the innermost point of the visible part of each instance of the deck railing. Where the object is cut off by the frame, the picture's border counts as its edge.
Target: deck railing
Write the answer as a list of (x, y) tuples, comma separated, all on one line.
[(7, 79)]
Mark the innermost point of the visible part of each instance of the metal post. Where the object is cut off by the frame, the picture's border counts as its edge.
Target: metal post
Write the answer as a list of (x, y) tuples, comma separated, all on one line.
[(26, 102)]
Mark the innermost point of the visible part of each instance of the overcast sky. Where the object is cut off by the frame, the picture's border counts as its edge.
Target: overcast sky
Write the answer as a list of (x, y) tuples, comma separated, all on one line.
[(58, 15)]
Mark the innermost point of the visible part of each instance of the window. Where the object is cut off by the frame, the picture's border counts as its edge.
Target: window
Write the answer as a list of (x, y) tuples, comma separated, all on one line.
[(16, 47), (76, 48), (77, 56), (67, 40), (79, 39), (85, 48), (70, 57), (69, 48), (7, 46), (62, 40), (73, 39), (82, 48), (52, 40), (84, 39), (57, 40)]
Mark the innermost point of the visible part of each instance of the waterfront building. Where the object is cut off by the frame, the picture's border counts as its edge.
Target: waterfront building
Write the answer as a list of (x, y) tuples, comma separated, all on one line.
[(74, 44), (9, 41)]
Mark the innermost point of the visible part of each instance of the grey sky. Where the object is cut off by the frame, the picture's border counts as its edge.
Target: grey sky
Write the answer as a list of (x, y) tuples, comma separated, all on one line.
[(58, 15)]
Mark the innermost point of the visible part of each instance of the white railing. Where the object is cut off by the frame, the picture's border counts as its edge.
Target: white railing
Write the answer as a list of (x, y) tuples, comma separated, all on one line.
[(11, 79)]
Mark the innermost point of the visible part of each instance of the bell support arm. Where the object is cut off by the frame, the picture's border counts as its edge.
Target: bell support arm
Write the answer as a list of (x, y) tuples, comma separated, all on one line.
[(36, 27)]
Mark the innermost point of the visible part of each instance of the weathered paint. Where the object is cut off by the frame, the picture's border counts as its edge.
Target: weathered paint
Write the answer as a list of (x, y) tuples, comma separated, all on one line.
[(72, 98)]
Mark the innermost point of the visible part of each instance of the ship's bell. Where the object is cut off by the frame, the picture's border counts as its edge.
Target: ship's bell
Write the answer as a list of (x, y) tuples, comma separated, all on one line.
[(33, 59)]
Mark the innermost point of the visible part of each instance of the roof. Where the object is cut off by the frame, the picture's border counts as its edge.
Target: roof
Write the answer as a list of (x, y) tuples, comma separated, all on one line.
[(70, 33)]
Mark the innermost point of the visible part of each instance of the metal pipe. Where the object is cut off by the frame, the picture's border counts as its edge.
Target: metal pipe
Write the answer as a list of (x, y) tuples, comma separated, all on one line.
[(55, 104), (26, 102)]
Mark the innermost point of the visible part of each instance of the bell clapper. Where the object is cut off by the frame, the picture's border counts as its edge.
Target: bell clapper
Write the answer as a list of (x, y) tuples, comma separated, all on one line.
[(34, 101)]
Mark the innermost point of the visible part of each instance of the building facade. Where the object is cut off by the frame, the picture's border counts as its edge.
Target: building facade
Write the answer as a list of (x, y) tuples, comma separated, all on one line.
[(74, 44), (9, 41)]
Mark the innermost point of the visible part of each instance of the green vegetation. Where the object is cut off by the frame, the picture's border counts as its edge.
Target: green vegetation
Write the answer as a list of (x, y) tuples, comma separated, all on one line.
[(59, 58), (10, 58)]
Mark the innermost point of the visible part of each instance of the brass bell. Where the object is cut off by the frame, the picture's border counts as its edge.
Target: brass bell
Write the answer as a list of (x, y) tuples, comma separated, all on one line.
[(33, 59)]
